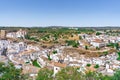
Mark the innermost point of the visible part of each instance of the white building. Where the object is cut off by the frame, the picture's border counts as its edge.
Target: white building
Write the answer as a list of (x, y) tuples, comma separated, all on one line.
[(11, 35), (18, 34), (57, 67), (97, 43)]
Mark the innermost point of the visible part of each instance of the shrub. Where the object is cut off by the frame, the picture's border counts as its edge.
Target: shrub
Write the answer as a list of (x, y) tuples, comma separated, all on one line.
[(98, 33), (86, 47), (118, 58), (118, 55), (49, 58), (35, 63), (96, 66), (73, 43), (88, 65), (97, 48), (106, 52), (54, 52)]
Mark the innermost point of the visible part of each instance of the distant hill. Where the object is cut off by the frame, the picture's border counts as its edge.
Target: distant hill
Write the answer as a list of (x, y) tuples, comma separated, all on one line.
[(95, 28)]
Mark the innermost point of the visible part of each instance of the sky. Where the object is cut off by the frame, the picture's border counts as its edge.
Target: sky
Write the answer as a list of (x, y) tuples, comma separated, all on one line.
[(80, 13)]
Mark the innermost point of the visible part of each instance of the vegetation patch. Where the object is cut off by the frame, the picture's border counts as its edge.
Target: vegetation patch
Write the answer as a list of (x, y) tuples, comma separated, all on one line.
[(113, 45), (88, 65), (98, 33), (96, 66), (54, 52), (35, 63), (49, 58), (72, 43), (105, 53), (118, 56)]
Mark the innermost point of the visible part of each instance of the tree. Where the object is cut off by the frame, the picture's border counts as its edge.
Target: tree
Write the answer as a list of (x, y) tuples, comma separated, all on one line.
[(80, 37), (107, 77), (97, 48), (54, 52), (76, 44), (105, 53), (98, 33), (45, 74), (49, 58), (86, 47), (93, 76), (118, 55), (69, 73), (96, 66), (116, 75), (9, 72), (73, 43), (88, 65), (27, 36), (35, 63), (116, 46)]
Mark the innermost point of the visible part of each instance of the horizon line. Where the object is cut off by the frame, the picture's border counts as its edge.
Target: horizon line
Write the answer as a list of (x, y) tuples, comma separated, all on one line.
[(59, 26)]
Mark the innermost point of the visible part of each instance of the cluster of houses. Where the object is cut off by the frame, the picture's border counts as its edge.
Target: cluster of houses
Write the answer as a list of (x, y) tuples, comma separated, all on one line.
[(100, 40), (22, 55), (19, 34), (108, 64)]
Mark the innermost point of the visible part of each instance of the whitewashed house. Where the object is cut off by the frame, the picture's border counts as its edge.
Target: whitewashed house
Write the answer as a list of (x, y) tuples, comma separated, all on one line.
[(18, 34), (11, 35), (97, 43), (57, 67)]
